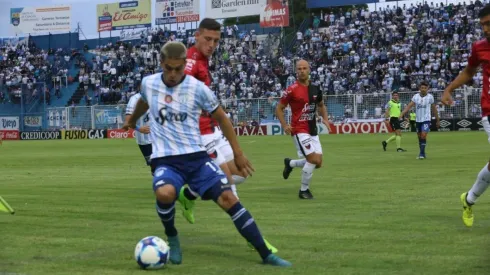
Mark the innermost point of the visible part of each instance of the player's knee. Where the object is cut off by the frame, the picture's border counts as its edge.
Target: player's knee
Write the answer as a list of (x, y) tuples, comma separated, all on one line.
[(226, 200), (166, 194), (319, 163)]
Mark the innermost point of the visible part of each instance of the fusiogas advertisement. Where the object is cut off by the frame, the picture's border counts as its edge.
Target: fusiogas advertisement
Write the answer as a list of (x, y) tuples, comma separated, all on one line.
[(40, 135), (97, 134), (75, 134)]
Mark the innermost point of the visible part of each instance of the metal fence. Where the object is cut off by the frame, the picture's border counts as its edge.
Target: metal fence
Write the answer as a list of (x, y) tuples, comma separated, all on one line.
[(246, 111)]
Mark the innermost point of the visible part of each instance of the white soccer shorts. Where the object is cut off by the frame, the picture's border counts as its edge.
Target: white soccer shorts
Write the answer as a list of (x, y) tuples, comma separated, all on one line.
[(224, 147), (486, 126), (306, 144), (212, 148)]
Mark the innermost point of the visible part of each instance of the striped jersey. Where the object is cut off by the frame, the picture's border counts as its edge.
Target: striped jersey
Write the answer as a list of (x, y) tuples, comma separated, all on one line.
[(423, 107), (175, 113), (141, 139)]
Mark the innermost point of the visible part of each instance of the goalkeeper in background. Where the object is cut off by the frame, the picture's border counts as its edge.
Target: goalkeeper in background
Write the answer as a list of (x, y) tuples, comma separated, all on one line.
[(393, 111)]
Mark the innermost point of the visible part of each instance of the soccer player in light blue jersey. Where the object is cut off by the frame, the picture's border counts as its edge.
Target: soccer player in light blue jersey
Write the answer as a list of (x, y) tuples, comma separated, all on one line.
[(142, 129), (424, 108), (175, 102)]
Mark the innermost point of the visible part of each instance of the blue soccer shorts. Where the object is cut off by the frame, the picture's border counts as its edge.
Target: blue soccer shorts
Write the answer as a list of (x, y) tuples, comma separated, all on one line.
[(423, 127), (197, 170)]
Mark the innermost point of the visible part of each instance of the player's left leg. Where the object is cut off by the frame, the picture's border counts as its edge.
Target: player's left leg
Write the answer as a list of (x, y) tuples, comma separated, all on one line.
[(479, 187), (393, 137), (146, 151), (423, 129), (167, 182), (211, 183), (225, 150)]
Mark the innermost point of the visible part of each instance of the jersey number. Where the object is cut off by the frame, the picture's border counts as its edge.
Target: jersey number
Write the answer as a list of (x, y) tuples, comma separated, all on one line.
[(146, 118)]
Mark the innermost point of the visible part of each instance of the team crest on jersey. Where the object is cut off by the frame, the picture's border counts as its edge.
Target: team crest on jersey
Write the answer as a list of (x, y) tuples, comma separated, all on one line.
[(308, 146), (168, 99)]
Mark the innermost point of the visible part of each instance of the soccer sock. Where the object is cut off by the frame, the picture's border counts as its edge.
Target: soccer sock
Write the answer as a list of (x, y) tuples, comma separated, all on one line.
[(398, 142), (189, 194), (422, 144), (481, 184), (238, 179), (233, 189), (307, 174), (166, 212), (247, 227), (297, 163), (391, 139)]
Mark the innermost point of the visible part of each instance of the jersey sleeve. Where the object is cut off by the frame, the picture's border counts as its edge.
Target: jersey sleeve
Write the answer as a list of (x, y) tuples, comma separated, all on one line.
[(206, 99), (196, 70), (413, 99), (431, 99), (319, 97), (144, 91), (131, 105), (286, 96), (388, 105), (473, 59)]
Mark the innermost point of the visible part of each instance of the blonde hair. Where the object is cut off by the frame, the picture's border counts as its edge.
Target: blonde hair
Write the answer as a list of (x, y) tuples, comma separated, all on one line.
[(173, 50)]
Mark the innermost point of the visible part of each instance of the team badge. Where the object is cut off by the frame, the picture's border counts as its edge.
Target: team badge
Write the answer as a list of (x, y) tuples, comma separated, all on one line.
[(308, 146), (159, 172), (168, 99)]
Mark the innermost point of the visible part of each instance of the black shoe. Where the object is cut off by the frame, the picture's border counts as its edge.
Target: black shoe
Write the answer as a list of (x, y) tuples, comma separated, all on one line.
[(401, 150), (287, 169), (384, 145), (305, 195)]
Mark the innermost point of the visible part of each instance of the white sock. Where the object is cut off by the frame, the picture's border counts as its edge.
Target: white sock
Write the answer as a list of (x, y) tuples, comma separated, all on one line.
[(238, 179), (233, 189), (481, 184), (306, 176), (297, 163)]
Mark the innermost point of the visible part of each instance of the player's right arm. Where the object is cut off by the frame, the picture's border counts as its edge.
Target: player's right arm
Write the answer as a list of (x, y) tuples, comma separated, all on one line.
[(407, 109), (283, 103), (139, 110), (464, 77), (387, 112)]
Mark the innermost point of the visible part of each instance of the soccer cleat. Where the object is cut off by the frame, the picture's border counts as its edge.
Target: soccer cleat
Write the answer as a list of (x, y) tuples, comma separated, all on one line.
[(275, 260), (467, 211), (384, 143), (421, 157), (188, 205), (269, 246), (287, 169), (401, 150), (305, 195), (175, 252)]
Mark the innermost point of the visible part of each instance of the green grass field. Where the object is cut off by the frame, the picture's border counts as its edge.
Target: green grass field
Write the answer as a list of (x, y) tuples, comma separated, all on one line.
[(83, 205)]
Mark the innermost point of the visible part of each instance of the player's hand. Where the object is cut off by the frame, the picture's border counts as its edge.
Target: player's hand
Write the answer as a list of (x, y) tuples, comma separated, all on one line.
[(129, 125), (447, 99), (145, 129), (288, 130), (244, 165)]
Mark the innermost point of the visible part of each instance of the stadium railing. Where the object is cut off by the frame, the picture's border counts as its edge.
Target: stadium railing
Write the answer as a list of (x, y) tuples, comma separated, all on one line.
[(340, 108)]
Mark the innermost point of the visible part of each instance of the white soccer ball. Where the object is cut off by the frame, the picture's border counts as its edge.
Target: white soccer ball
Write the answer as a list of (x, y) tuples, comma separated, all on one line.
[(152, 253)]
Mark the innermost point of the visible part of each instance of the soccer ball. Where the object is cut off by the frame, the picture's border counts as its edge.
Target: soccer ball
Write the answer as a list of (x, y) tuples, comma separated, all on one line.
[(152, 253)]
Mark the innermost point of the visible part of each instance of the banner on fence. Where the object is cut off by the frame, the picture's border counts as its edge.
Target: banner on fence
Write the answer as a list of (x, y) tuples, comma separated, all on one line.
[(120, 133), (275, 128), (124, 15), (9, 135), (56, 118), (107, 117), (33, 121), (40, 20), (9, 123), (97, 134), (232, 8), (40, 135), (251, 130), (74, 134), (274, 13), (14, 41), (176, 11), (127, 35)]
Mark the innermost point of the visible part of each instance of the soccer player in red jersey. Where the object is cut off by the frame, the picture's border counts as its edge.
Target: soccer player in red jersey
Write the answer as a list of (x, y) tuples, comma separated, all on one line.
[(480, 55), (305, 100), (219, 149)]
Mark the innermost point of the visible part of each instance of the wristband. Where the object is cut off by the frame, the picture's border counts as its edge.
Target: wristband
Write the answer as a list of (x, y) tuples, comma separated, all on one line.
[(137, 128)]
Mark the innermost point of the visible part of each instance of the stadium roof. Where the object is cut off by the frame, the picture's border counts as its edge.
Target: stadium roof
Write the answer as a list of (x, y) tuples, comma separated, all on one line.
[(313, 4)]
